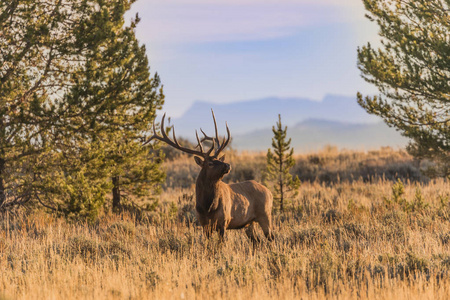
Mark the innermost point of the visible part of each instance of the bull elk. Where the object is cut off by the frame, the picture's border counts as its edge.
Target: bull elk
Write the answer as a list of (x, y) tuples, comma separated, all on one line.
[(222, 206)]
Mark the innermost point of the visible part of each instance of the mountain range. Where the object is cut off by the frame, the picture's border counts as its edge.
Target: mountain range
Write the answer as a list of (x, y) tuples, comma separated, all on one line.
[(311, 135), (336, 120)]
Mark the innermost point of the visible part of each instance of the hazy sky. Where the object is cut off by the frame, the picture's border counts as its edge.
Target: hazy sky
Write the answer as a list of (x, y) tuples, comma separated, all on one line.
[(232, 50)]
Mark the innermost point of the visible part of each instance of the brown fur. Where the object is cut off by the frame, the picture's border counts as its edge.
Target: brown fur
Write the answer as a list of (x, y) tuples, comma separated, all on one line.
[(221, 206)]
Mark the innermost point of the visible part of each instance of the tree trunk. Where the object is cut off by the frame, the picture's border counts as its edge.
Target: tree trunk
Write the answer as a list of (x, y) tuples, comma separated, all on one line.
[(281, 196), (281, 182), (2, 181), (116, 193)]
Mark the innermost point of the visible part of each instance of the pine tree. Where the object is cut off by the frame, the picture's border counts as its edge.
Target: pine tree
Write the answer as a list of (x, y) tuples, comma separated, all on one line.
[(118, 99), (136, 174), (411, 72), (76, 98), (37, 58), (277, 175)]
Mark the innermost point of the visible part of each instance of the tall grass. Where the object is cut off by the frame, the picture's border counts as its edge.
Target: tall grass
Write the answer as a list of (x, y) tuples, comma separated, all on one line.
[(349, 239), (329, 165)]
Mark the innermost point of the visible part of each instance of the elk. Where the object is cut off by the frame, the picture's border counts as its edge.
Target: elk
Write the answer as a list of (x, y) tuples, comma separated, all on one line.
[(222, 206)]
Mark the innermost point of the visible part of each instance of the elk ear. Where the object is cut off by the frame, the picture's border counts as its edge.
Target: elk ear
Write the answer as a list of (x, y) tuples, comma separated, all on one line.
[(222, 159), (199, 161)]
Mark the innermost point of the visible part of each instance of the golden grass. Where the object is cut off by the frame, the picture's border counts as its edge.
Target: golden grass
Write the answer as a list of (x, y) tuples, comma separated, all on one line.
[(329, 165), (346, 240)]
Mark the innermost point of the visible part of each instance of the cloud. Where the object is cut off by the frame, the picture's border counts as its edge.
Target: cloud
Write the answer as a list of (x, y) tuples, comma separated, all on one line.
[(191, 21), (223, 51), (264, 2)]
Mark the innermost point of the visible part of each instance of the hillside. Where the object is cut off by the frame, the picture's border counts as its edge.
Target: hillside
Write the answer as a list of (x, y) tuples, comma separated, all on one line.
[(335, 120), (315, 134), (246, 116)]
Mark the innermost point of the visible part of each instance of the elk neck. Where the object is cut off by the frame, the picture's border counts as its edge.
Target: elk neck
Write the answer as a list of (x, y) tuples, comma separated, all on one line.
[(208, 193)]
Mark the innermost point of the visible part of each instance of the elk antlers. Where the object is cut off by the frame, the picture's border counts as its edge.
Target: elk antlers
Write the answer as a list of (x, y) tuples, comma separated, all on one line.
[(174, 143), (216, 141)]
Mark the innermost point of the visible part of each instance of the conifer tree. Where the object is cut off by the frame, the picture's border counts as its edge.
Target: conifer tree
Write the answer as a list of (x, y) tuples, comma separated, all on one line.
[(36, 58), (279, 162), (411, 72), (136, 174), (76, 97), (118, 99)]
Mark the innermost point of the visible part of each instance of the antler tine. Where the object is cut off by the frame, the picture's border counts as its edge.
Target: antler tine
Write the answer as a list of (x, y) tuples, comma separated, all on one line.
[(163, 129), (174, 143), (225, 142), (208, 138), (215, 126), (211, 149), (198, 140), (154, 136), (174, 136)]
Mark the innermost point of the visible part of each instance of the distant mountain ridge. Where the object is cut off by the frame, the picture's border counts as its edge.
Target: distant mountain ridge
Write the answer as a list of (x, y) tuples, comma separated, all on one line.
[(251, 115), (311, 135), (336, 120)]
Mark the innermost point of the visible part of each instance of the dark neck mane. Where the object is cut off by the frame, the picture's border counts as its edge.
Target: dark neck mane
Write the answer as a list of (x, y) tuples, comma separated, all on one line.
[(206, 191)]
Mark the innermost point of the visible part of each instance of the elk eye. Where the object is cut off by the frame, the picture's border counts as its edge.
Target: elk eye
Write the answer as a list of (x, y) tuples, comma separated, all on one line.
[(210, 164)]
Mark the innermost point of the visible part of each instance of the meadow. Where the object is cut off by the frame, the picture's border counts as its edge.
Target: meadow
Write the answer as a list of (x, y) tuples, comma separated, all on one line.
[(364, 225)]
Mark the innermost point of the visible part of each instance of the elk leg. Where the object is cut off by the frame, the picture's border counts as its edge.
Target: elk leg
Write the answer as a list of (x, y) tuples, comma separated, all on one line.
[(266, 225), (269, 235), (250, 231), (207, 230), (221, 231)]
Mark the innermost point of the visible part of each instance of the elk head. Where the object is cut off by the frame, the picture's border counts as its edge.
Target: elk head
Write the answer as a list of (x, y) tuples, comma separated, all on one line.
[(222, 206), (213, 167)]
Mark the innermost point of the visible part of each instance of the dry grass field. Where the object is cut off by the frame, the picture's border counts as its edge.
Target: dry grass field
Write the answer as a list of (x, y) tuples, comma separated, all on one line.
[(353, 232)]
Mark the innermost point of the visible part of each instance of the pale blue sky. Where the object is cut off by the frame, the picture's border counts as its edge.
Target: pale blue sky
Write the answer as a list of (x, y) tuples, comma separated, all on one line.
[(226, 51)]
